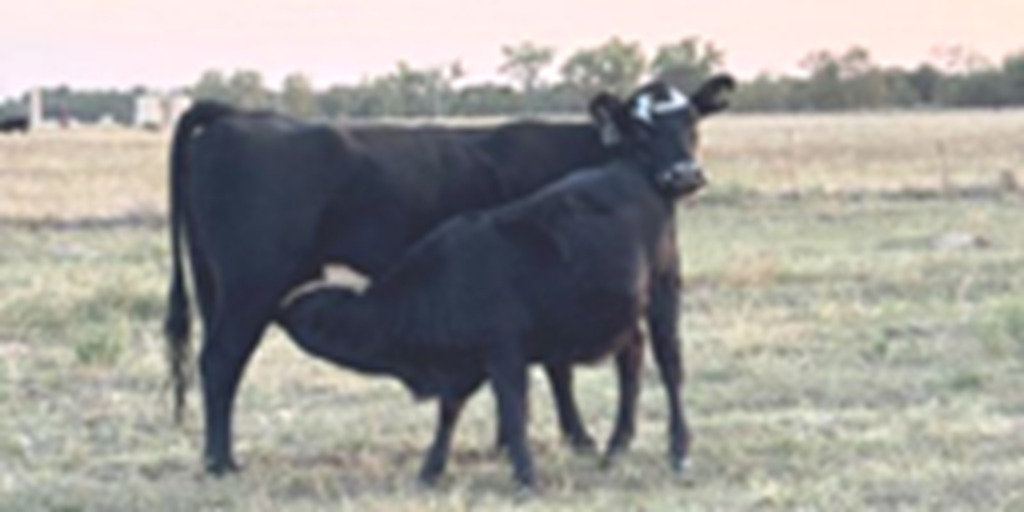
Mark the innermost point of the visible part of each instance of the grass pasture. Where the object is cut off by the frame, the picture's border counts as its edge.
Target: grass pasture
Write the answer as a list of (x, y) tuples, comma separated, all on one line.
[(853, 323)]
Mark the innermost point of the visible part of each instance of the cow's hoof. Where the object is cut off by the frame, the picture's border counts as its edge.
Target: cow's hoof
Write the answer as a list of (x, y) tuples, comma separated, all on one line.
[(582, 444), (222, 468), (526, 481), (429, 481), (681, 466), (525, 491)]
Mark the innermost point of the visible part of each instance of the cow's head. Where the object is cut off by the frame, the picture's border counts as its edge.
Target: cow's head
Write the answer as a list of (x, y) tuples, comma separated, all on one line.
[(659, 124)]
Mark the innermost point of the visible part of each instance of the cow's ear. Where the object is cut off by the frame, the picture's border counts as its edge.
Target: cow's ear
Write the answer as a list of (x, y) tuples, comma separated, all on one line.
[(711, 96), (606, 111)]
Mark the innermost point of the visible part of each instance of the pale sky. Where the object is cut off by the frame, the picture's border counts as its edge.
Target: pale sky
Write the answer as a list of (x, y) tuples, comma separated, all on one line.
[(118, 43)]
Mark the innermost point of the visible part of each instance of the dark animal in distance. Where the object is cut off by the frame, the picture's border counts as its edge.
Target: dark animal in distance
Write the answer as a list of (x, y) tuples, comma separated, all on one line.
[(560, 277), (14, 124), (261, 202)]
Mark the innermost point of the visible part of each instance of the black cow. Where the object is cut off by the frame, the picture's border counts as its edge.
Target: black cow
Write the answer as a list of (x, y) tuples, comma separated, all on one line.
[(14, 124), (560, 277), (263, 202)]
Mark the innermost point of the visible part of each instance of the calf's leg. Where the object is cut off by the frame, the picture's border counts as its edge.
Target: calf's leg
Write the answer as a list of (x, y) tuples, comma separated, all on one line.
[(437, 456), (663, 320), (507, 371), (561, 377), (627, 363)]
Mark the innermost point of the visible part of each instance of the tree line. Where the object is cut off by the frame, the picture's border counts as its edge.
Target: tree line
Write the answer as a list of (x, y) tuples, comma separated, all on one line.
[(536, 82)]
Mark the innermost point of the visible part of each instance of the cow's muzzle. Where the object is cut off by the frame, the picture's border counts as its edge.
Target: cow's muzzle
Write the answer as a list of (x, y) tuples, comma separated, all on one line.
[(681, 179)]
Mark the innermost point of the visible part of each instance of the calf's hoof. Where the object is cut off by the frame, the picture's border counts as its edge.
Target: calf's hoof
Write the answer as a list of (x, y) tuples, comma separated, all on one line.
[(610, 458), (221, 468), (524, 493), (430, 475), (525, 480), (618, 445)]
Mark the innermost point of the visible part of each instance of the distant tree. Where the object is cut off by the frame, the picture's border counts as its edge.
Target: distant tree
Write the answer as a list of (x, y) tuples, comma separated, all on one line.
[(297, 96), (1013, 75), (440, 87), (616, 65), (63, 103), (561, 98), (764, 93), (900, 90), (486, 100), (959, 60), (408, 91), (524, 64), (212, 85), (984, 88), (336, 101), (408, 88), (972, 80), (953, 76), (247, 90), (687, 63), (864, 82), (925, 80), (843, 81), (822, 88), (371, 97)]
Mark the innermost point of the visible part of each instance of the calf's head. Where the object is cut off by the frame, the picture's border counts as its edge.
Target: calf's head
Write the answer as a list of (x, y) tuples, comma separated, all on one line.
[(330, 321), (658, 124)]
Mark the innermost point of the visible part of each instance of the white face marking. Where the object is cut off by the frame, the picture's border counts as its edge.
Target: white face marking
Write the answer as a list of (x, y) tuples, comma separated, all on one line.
[(676, 101), (642, 109), (645, 107)]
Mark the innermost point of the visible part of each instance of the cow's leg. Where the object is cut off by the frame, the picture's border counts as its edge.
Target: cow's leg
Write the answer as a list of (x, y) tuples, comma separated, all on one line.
[(226, 352), (560, 377), (663, 320), (437, 456), (627, 363), (242, 315), (507, 371)]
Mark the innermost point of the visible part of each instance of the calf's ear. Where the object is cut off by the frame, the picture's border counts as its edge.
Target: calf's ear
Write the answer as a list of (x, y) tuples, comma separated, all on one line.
[(606, 112), (711, 96)]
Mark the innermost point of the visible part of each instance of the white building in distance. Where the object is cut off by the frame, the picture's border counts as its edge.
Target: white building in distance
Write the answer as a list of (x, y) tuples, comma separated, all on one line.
[(155, 111)]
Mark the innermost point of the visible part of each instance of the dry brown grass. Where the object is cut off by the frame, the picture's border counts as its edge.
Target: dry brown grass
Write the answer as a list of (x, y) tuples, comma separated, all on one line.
[(56, 174), (879, 151)]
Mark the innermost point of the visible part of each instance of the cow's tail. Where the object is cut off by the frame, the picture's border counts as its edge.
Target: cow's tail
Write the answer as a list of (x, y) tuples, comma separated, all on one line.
[(177, 322)]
